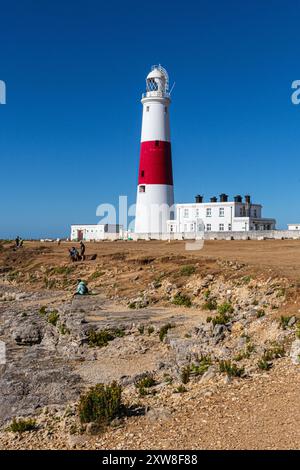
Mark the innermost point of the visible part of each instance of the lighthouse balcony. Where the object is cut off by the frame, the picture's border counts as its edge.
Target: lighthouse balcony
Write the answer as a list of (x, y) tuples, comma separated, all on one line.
[(156, 94)]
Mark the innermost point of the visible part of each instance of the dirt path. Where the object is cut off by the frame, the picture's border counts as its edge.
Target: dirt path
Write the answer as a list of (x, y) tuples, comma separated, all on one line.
[(262, 413)]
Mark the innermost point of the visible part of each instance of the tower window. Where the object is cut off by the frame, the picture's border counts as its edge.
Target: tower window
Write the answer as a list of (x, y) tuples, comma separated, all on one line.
[(166, 110), (147, 109), (142, 189), (157, 143), (142, 173)]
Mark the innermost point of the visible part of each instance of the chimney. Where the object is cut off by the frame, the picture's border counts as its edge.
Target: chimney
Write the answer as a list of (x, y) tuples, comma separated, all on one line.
[(238, 198), (213, 199), (198, 199), (248, 199), (223, 197)]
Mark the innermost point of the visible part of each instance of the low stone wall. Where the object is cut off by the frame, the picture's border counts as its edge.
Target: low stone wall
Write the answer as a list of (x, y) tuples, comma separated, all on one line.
[(252, 235)]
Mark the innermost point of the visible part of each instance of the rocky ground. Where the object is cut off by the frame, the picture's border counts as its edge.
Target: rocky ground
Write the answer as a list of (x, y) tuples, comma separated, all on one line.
[(219, 335)]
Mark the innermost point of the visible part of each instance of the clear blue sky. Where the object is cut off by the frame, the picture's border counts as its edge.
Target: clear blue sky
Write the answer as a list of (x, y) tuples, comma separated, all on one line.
[(75, 71)]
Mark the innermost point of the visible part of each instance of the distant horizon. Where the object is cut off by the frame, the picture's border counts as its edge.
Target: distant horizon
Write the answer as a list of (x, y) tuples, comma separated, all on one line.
[(71, 121)]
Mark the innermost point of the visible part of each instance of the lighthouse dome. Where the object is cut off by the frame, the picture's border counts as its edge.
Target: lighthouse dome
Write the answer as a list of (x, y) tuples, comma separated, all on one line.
[(157, 80), (156, 73)]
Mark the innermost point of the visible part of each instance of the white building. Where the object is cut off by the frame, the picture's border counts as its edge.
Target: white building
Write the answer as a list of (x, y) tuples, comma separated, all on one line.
[(95, 232), (293, 226), (219, 216)]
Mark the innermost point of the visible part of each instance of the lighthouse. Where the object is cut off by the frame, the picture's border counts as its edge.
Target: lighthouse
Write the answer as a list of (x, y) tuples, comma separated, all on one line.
[(155, 194)]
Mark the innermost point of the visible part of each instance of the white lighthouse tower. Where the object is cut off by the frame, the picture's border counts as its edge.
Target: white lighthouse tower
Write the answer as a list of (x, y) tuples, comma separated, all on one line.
[(155, 195)]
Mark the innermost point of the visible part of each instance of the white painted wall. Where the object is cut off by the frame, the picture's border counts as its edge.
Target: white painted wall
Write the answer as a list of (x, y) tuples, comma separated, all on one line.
[(293, 226), (218, 217), (153, 208), (91, 232), (155, 122)]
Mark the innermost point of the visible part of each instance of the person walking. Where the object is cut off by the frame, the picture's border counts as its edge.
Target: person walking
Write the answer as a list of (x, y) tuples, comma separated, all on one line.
[(82, 250)]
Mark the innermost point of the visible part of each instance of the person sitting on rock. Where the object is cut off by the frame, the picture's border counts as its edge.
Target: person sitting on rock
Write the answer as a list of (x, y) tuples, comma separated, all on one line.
[(74, 254), (81, 288)]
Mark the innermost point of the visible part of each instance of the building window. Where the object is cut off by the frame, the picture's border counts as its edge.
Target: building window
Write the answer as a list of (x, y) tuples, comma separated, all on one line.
[(221, 212), (197, 213), (229, 227), (142, 189), (171, 228), (185, 213), (192, 227), (254, 213), (166, 110), (148, 109), (208, 227), (208, 212), (221, 227)]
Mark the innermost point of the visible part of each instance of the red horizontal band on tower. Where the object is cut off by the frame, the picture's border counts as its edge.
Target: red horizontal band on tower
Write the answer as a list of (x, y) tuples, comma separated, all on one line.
[(155, 163)]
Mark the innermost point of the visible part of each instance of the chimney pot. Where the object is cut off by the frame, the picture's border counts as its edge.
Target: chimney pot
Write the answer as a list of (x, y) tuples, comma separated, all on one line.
[(198, 198), (223, 197)]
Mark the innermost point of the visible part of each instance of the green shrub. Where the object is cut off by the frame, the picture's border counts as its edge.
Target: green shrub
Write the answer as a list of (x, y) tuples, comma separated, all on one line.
[(144, 384), (260, 313), (42, 310), (150, 330), (246, 279), (53, 317), (95, 275), (168, 379), (63, 270), (210, 304), (297, 332), (22, 425), (281, 292), (164, 330), (187, 270), (263, 364), (221, 319), (180, 389), (13, 275), (246, 353), (284, 321), (63, 330), (102, 337), (185, 374), (208, 319), (206, 294), (225, 307), (201, 367), (274, 352), (101, 404), (182, 299), (141, 329), (231, 369)]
